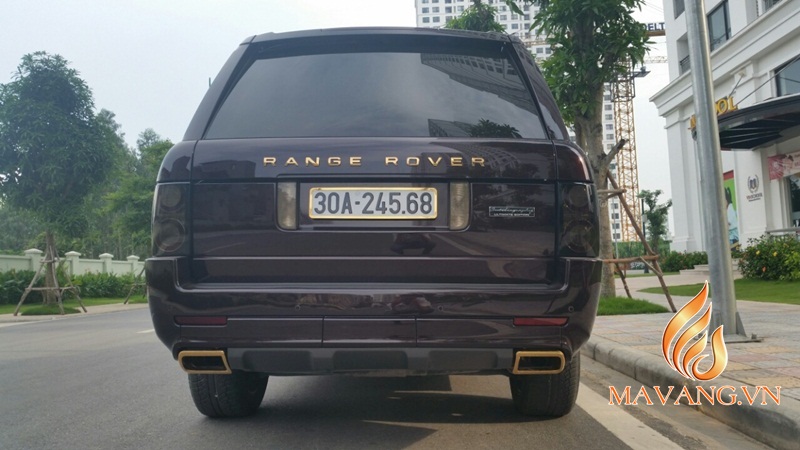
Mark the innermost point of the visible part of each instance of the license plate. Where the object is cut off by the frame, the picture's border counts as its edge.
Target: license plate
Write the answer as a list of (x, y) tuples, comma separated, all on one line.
[(398, 203)]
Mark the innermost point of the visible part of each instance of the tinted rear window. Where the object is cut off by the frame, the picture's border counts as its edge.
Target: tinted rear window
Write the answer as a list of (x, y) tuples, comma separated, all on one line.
[(412, 90)]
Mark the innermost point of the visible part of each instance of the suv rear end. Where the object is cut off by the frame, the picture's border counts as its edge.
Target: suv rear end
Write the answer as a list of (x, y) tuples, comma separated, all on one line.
[(402, 201)]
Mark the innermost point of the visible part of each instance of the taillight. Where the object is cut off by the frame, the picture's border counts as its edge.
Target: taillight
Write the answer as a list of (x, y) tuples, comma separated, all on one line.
[(459, 206), (170, 223), (580, 234)]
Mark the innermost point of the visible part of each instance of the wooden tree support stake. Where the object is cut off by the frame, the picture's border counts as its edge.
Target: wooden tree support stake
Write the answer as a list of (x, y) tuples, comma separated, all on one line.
[(51, 259), (135, 285), (650, 259)]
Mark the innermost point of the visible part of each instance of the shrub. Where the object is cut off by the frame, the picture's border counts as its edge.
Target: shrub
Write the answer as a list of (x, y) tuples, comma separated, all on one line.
[(13, 284), (97, 285), (676, 261), (771, 258), (91, 285)]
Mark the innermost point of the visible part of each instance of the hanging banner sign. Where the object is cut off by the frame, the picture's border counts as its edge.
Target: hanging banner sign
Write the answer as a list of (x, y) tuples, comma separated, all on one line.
[(783, 165)]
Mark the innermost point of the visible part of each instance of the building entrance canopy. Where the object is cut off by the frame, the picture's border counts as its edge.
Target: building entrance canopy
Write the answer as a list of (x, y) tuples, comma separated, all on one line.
[(765, 123)]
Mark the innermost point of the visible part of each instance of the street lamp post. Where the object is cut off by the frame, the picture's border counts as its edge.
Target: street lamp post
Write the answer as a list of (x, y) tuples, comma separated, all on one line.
[(709, 159)]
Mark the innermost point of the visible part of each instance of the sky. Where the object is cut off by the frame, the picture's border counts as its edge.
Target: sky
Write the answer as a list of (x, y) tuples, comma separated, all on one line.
[(150, 61)]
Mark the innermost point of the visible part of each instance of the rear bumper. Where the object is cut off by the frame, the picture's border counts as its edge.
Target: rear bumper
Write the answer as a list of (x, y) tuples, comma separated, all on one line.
[(352, 360), (395, 361), (419, 328)]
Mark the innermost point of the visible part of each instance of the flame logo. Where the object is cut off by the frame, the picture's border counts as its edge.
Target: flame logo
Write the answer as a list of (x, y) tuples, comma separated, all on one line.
[(687, 365)]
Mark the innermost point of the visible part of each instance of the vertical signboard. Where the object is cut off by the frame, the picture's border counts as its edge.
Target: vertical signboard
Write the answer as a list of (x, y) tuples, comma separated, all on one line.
[(731, 209)]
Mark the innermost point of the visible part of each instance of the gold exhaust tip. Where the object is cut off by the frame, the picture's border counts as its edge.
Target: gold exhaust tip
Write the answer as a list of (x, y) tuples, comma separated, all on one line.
[(225, 370), (539, 354)]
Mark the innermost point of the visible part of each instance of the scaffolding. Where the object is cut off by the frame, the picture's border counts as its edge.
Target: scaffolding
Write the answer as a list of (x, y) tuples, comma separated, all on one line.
[(623, 91)]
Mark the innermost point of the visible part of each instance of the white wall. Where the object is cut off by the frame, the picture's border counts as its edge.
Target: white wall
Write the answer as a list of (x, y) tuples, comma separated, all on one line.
[(74, 263), (757, 46)]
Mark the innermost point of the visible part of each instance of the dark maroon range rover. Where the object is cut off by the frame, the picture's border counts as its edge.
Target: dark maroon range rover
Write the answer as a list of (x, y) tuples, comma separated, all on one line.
[(393, 201)]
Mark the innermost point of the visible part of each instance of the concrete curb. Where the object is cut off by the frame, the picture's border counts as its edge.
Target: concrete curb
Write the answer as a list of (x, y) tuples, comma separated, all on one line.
[(90, 311), (774, 425)]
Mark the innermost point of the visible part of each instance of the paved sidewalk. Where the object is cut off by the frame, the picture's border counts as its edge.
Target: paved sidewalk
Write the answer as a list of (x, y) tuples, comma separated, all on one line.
[(632, 345)]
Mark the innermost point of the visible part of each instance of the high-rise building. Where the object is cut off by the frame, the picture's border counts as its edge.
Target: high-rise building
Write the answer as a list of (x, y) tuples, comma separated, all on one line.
[(436, 14)]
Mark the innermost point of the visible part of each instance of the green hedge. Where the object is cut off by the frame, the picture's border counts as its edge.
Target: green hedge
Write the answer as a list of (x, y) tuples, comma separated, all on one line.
[(13, 284), (91, 285), (676, 261), (771, 258), (98, 285)]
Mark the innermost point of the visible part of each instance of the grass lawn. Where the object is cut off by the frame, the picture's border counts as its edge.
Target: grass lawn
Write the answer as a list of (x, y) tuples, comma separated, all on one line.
[(614, 306), (35, 306), (753, 290)]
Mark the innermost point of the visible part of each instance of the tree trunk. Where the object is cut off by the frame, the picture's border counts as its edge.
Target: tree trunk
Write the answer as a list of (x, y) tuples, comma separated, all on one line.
[(607, 286), (50, 296), (589, 135)]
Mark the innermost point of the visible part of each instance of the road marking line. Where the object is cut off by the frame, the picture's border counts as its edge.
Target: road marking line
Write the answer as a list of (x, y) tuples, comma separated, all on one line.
[(152, 330), (620, 423)]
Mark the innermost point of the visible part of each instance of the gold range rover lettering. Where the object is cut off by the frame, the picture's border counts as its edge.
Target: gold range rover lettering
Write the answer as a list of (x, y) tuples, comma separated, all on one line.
[(355, 161)]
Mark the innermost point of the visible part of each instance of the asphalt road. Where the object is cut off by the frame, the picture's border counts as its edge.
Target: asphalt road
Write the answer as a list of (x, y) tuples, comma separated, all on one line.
[(105, 381)]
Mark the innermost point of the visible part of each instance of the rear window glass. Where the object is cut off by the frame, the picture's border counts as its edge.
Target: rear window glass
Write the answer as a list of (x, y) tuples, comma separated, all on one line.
[(369, 93)]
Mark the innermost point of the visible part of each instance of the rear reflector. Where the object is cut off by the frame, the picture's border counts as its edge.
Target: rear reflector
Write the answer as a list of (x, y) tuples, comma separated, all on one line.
[(287, 206), (539, 321), (201, 320), (459, 206)]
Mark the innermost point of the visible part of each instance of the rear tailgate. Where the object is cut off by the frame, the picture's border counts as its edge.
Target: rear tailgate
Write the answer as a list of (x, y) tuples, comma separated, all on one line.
[(510, 236)]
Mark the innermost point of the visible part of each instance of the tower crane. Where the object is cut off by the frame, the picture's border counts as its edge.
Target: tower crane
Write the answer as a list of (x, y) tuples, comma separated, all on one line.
[(623, 91)]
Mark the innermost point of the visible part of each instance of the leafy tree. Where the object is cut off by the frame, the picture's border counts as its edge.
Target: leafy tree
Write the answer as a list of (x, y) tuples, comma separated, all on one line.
[(478, 17), (487, 128), (655, 217), (54, 150), (17, 230), (131, 204), (147, 138), (592, 41), (151, 153), (99, 236)]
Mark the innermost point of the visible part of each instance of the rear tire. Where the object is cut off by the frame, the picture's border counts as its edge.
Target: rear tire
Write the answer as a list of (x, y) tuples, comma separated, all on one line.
[(236, 395), (547, 395)]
